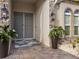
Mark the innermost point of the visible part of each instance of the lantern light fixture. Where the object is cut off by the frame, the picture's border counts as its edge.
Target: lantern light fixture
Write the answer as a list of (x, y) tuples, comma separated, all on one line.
[(4, 12)]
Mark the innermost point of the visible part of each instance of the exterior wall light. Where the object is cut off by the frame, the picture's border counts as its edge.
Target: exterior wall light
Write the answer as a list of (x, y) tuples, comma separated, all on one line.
[(52, 16), (4, 12)]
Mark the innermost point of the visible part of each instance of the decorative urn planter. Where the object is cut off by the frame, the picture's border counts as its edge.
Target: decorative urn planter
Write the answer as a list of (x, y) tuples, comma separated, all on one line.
[(4, 49)]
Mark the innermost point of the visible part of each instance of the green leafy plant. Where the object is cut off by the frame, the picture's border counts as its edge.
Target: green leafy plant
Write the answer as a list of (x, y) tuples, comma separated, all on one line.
[(56, 32), (5, 28), (75, 42), (6, 33)]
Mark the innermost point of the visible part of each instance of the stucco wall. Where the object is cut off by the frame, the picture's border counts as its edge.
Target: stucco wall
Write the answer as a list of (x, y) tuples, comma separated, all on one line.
[(23, 7), (60, 13), (42, 22), (63, 7), (41, 18)]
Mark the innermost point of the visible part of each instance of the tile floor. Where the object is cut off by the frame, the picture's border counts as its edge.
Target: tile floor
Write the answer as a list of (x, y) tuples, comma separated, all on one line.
[(40, 52)]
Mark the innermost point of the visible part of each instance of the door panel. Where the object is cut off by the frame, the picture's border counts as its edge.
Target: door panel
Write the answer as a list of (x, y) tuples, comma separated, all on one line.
[(18, 24), (28, 26), (23, 24)]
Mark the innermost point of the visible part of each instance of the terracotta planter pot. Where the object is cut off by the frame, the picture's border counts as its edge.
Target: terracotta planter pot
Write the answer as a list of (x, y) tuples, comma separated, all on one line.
[(54, 43), (4, 49)]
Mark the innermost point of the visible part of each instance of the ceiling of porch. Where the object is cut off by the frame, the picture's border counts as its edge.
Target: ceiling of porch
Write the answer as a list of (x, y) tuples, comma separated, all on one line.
[(28, 1)]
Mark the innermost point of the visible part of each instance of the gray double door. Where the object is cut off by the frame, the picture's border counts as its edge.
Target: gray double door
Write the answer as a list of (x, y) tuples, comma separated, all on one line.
[(23, 24)]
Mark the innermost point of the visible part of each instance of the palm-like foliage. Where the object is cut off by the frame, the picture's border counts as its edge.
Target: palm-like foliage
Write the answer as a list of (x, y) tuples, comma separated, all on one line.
[(4, 28), (56, 32), (6, 34)]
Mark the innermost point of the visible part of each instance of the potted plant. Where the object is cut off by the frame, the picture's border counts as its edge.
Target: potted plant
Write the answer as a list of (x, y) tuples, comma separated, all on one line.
[(6, 34), (55, 34)]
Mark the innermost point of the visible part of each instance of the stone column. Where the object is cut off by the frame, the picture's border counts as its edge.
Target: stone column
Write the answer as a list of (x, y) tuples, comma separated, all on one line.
[(72, 24), (9, 22), (9, 5)]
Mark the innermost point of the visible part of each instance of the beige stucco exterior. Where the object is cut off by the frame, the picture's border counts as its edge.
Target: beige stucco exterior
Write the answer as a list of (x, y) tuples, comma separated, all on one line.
[(23, 7), (63, 7), (40, 11), (42, 22), (41, 16)]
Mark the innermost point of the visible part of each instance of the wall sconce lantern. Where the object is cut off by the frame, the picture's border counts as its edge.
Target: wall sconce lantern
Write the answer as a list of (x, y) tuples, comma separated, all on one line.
[(4, 12), (52, 16)]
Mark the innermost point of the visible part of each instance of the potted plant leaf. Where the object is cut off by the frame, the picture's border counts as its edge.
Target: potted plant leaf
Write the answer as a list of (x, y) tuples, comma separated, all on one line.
[(6, 34), (55, 34)]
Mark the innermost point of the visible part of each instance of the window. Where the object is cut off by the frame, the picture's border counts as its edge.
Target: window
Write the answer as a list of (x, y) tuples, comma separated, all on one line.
[(76, 17), (67, 17), (67, 21), (75, 30), (67, 29), (75, 20)]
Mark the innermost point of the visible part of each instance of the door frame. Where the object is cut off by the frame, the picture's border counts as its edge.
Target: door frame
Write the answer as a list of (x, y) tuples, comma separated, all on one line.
[(23, 26)]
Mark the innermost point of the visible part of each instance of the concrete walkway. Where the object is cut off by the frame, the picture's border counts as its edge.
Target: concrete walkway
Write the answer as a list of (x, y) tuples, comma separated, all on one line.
[(40, 52)]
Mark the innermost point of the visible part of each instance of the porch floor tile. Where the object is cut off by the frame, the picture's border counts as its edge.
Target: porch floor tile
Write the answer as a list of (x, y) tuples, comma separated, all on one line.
[(40, 52)]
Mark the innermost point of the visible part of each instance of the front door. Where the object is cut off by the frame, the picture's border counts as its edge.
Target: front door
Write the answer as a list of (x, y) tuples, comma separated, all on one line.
[(23, 24)]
